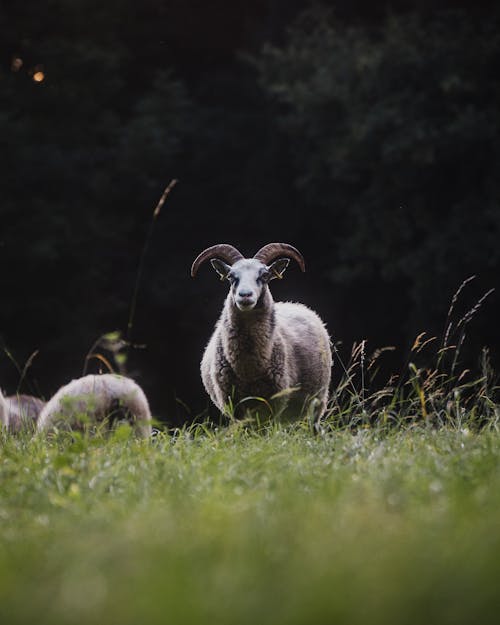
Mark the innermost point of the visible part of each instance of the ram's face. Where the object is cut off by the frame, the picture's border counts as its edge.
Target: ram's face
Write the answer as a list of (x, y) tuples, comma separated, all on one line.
[(248, 278)]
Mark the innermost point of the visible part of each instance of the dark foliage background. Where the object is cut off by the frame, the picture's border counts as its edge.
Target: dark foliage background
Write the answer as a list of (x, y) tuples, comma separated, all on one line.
[(366, 134)]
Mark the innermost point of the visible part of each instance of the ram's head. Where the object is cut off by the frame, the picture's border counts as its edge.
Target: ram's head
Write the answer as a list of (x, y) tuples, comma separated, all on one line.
[(248, 276)]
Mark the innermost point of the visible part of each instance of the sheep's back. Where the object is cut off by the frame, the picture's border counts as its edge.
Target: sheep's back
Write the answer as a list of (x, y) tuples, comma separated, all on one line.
[(24, 411), (97, 396), (4, 411)]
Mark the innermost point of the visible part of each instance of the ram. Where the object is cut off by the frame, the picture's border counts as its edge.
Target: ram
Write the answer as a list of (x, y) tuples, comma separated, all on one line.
[(97, 398), (276, 351)]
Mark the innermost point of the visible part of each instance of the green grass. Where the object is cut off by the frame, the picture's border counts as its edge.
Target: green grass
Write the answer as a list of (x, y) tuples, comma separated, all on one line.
[(241, 527)]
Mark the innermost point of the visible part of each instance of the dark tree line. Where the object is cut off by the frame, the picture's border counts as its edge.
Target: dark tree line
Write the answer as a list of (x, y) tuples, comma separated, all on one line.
[(366, 135)]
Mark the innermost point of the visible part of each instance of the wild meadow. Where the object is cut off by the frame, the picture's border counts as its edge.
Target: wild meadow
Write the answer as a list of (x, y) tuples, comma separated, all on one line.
[(237, 526), (387, 513)]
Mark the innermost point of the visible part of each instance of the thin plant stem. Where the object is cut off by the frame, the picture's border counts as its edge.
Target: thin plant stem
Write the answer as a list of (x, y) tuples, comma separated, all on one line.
[(22, 372), (448, 322), (25, 369), (140, 268)]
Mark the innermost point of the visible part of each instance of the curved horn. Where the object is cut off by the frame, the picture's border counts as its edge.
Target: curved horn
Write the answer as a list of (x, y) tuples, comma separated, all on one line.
[(224, 251), (275, 250)]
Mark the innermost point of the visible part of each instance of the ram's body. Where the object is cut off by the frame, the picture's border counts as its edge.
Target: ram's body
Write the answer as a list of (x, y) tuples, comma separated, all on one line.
[(284, 349), (279, 352), (97, 398)]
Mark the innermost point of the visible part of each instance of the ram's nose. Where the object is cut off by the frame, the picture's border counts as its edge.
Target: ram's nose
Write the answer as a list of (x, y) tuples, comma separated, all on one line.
[(245, 300), (245, 294)]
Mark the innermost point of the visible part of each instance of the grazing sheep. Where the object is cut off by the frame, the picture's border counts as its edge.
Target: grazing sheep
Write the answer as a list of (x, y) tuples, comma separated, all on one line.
[(4, 412), (19, 411), (23, 412), (98, 397), (276, 351)]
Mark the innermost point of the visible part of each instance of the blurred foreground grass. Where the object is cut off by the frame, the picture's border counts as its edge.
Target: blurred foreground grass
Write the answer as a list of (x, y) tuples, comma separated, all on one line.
[(237, 527)]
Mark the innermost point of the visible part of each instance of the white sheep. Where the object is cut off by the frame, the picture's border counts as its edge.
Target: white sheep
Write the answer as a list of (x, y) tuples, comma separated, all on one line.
[(4, 412), (19, 411), (98, 397), (279, 352), (23, 412)]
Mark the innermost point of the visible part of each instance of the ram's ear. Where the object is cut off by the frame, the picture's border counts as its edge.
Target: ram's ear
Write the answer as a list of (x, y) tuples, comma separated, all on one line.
[(277, 269), (221, 268)]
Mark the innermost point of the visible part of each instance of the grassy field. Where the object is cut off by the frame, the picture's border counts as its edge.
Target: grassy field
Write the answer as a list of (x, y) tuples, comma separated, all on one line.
[(239, 527)]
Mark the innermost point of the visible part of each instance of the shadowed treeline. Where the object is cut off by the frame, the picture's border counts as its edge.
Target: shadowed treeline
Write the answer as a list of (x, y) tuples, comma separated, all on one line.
[(367, 137)]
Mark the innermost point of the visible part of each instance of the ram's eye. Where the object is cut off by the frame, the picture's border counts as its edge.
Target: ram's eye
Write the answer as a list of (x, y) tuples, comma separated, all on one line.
[(232, 278), (264, 276)]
